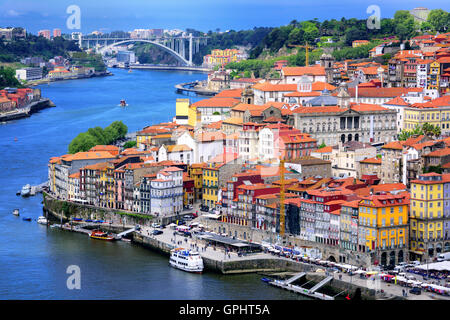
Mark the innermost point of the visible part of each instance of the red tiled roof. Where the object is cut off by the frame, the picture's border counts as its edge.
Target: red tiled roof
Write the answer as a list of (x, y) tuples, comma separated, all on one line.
[(371, 160), (216, 102), (298, 71), (232, 93), (397, 101), (393, 145)]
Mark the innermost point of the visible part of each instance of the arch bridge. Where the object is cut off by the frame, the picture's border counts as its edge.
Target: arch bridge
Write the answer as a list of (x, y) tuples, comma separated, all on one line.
[(176, 46)]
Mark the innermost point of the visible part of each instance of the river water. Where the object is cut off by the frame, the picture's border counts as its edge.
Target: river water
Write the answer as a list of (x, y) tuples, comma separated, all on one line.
[(34, 259)]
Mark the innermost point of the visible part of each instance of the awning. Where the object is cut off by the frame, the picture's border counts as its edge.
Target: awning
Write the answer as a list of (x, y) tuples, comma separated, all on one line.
[(417, 252), (211, 216)]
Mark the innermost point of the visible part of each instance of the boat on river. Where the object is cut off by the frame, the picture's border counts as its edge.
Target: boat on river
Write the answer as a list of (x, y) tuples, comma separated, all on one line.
[(100, 235), (186, 260), (42, 220), (123, 103), (26, 219), (26, 190), (16, 212)]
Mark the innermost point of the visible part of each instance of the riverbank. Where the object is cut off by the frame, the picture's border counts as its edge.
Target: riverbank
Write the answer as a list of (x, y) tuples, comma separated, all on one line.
[(214, 258), (27, 111), (47, 80), (174, 68), (197, 87)]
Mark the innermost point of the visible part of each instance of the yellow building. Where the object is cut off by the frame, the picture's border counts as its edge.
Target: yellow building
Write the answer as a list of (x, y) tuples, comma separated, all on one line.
[(194, 117), (182, 111), (144, 137), (383, 226), (435, 112), (219, 57), (196, 172), (434, 75), (428, 204), (210, 185)]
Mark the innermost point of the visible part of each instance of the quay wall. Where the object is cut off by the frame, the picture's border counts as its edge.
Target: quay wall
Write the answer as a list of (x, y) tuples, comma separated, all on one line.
[(66, 210), (27, 111)]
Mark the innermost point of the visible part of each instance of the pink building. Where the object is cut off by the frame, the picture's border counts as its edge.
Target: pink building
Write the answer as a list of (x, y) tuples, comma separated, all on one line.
[(44, 33), (56, 33)]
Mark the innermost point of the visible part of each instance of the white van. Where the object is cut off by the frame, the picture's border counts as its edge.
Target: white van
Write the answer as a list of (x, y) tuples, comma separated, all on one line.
[(443, 257)]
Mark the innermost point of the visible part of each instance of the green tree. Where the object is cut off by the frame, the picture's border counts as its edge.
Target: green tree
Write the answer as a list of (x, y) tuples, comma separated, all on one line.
[(439, 20), (82, 142), (405, 134), (7, 78), (130, 144), (404, 24), (296, 36), (99, 135), (311, 32)]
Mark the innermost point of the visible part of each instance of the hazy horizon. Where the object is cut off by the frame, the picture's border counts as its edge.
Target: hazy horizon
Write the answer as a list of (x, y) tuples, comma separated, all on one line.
[(202, 15)]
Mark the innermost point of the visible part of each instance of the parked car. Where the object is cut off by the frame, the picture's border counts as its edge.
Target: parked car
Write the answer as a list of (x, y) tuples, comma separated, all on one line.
[(415, 291), (156, 232), (156, 225)]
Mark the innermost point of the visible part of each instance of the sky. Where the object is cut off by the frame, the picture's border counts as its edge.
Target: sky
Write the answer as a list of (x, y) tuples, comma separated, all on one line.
[(203, 15)]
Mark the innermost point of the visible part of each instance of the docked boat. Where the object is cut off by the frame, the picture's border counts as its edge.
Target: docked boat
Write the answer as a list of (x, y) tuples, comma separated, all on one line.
[(186, 260), (26, 190), (16, 212), (42, 220), (98, 234), (123, 103)]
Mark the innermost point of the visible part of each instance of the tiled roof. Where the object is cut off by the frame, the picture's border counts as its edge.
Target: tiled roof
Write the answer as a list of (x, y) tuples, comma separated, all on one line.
[(438, 153), (326, 149), (178, 148), (381, 92), (88, 155), (371, 160), (232, 93), (298, 71), (267, 86), (393, 145), (216, 102), (397, 101)]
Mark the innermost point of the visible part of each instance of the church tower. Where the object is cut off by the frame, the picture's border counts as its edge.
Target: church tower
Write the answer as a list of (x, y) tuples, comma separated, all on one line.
[(247, 95), (343, 97), (327, 61)]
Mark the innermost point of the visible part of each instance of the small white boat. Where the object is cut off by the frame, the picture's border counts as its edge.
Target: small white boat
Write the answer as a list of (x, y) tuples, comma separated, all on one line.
[(16, 212), (186, 260), (42, 220), (26, 190)]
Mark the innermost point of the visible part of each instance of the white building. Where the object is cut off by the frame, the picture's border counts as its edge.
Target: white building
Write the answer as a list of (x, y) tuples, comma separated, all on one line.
[(204, 145), (179, 152), (27, 74), (167, 192)]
